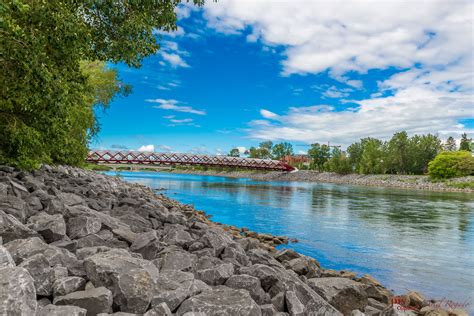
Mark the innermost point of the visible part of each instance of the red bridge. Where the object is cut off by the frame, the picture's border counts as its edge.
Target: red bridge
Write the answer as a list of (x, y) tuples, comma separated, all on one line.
[(152, 158)]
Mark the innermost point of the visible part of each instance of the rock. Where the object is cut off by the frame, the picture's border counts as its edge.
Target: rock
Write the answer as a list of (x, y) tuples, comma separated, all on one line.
[(82, 226), (70, 245), (415, 299), (342, 293), (357, 312), (11, 228), (95, 240), (260, 256), (295, 307), (53, 310), (51, 227), (173, 287), (14, 206), (66, 285), (159, 310), (268, 310), (148, 245), (70, 199), (216, 239), (304, 266), (40, 270), (236, 252), (125, 234), (178, 237), (174, 258), (213, 271), (251, 284), (376, 304), (286, 255), (268, 276), (397, 310), (17, 292), (42, 303), (131, 280), (95, 301), (221, 301), (279, 301), (6, 259)]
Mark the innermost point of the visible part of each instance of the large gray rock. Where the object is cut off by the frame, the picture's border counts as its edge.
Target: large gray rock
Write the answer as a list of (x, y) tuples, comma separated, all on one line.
[(159, 310), (51, 227), (17, 292), (213, 271), (221, 301), (14, 206), (178, 237), (304, 266), (237, 253), (40, 270), (216, 239), (295, 307), (95, 301), (174, 286), (53, 310), (174, 258), (148, 245), (6, 259), (11, 228), (82, 226), (66, 285), (131, 280), (342, 293), (286, 255), (251, 284)]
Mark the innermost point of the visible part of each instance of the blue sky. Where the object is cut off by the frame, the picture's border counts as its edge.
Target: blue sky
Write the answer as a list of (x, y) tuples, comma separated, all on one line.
[(239, 72)]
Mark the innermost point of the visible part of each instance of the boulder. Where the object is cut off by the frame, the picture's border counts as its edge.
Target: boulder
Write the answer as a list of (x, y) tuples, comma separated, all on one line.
[(295, 307), (14, 206), (82, 226), (6, 259), (95, 240), (51, 227), (221, 301), (268, 310), (66, 285), (268, 276), (125, 234), (213, 271), (173, 287), (236, 252), (216, 239), (40, 270), (304, 266), (95, 301), (174, 258), (342, 293), (178, 237), (159, 310), (251, 284), (148, 245), (17, 292), (53, 310), (286, 255), (131, 280), (11, 228)]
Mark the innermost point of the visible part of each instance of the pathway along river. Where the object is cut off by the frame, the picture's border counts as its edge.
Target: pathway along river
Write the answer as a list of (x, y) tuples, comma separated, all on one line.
[(409, 240)]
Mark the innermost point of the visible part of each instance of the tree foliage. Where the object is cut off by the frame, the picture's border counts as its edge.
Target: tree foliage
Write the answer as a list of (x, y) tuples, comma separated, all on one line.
[(319, 154), (450, 144), (451, 164), (281, 150), (53, 73), (465, 143), (234, 152)]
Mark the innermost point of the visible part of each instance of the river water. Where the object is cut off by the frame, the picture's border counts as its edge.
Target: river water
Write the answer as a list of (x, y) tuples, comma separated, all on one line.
[(409, 240)]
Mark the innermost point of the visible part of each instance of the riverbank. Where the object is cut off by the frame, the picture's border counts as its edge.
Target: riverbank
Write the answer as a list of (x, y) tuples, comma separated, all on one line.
[(77, 242), (411, 182)]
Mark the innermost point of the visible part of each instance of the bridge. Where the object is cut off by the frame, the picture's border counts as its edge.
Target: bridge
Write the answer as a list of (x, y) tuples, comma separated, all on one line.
[(171, 159)]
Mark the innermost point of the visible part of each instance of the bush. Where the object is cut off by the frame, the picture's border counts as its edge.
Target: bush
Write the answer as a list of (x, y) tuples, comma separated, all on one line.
[(451, 164)]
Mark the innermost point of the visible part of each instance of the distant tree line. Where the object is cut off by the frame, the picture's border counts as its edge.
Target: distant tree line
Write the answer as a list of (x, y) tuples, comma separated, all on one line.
[(399, 155)]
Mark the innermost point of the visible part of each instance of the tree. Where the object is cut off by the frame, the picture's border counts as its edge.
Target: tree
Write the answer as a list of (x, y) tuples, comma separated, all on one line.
[(234, 152), (281, 150), (319, 154), (355, 155), (451, 164), (373, 156), (450, 144), (422, 150), (465, 143), (53, 72), (339, 162), (398, 154)]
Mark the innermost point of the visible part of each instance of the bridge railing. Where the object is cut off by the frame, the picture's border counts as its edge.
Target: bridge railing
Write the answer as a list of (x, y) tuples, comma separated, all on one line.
[(155, 158)]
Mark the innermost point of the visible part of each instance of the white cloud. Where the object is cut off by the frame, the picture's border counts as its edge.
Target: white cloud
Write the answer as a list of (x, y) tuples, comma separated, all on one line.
[(429, 42), (241, 149), (172, 55), (174, 60), (147, 148), (173, 106), (164, 148), (177, 121), (333, 92)]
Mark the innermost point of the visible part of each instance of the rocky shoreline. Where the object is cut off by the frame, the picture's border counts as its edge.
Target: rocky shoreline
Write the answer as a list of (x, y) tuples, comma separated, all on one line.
[(412, 182), (74, 242)]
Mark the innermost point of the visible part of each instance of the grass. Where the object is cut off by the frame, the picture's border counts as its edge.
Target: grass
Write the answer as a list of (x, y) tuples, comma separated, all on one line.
[(96, 167), (461, 185)]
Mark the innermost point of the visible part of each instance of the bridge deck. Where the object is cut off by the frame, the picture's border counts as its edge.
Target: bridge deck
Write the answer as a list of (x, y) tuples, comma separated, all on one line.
[(155, 158)]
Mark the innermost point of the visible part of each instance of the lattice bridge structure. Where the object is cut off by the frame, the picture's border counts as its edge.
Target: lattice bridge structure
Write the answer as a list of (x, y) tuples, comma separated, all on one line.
[(181, 159)]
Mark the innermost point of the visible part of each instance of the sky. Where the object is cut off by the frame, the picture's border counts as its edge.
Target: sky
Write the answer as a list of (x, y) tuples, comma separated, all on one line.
[(238, 72)]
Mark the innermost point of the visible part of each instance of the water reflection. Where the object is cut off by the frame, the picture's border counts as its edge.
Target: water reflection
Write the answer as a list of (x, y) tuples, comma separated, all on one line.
[(409, 240)]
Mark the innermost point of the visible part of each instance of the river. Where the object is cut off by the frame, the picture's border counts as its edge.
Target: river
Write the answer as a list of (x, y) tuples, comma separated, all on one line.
[(409, 240)]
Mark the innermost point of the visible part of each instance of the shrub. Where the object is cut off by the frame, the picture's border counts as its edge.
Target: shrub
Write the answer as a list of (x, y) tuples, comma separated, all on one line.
[(451, 164)]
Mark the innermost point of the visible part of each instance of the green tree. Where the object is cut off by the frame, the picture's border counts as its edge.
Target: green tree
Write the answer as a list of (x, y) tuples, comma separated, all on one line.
[(398, 153), (465, 143), (450, 144), (234, 152), (52, 56), (320, 154), (451, 164), (339, 162), (281, 150), (355, 151), (373, 157), (422, 150)]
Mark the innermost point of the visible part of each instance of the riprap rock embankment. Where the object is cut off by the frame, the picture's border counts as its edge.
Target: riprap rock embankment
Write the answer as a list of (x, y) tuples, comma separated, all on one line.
[(79, 243)]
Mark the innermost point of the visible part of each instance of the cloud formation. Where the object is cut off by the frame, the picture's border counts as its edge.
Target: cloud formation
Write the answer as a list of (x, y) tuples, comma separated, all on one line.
[(172, 105), (147, 148), (430, 43)]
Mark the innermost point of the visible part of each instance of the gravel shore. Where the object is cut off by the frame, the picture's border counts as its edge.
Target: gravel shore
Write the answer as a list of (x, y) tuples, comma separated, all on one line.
[(75, 242), (416, 182)]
